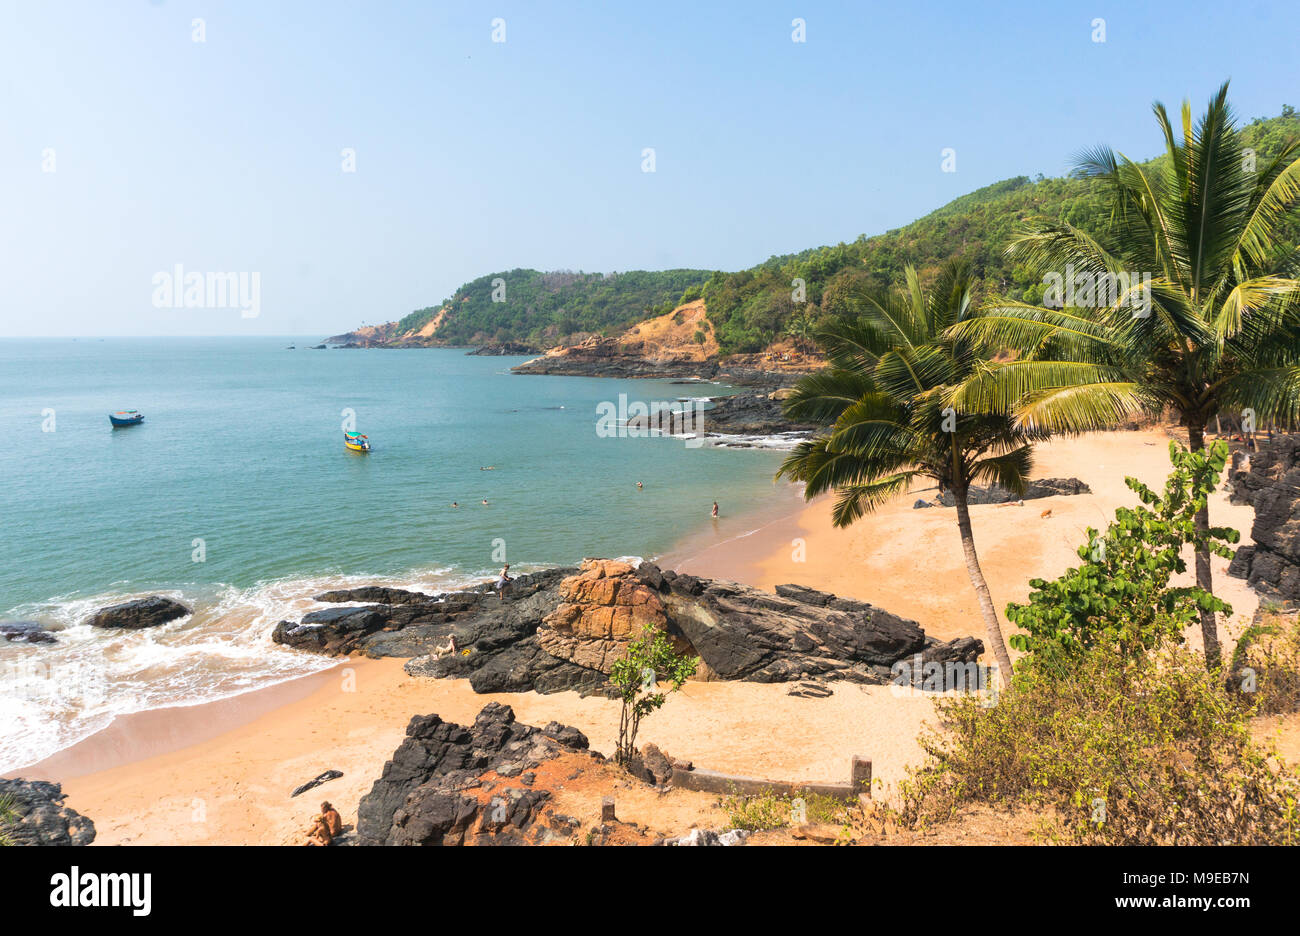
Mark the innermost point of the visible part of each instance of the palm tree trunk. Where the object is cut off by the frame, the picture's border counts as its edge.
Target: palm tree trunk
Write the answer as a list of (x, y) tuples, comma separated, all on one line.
[(1204, 578), (992, 629)]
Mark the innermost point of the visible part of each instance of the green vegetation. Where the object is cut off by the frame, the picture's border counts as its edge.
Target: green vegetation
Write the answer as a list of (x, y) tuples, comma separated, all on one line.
[(749, 308), (1122, 591), (544, 308), (884, 398), (8, 814), (648, 659), (756, 812), (1214, 329), (1123, 750)]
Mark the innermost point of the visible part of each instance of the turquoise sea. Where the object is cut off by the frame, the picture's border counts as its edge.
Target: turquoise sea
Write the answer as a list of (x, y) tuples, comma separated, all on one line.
[(237, 496)]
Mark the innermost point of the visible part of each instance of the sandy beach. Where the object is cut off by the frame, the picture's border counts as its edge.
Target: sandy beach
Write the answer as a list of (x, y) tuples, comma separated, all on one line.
[(222, 773)]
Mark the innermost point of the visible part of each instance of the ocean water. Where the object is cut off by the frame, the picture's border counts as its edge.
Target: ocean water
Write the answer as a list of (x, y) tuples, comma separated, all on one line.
[(237, 497)]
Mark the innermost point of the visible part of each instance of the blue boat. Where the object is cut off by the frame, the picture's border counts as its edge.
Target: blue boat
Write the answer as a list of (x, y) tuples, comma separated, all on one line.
[(126, 418)]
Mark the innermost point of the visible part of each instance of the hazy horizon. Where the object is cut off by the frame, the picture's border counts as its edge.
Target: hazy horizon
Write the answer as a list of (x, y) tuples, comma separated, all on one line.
[(361, 163)]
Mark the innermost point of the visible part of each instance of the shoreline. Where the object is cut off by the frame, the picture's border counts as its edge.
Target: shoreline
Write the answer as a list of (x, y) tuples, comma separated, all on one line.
[(240, 757)]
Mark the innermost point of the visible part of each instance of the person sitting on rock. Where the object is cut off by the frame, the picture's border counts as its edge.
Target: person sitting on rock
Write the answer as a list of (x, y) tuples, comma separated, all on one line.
[(318, 833), (333, 821), (448, 647)]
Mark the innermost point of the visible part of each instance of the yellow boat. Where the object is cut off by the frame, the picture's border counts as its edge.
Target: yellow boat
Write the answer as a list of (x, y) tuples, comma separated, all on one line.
[(356, 442)]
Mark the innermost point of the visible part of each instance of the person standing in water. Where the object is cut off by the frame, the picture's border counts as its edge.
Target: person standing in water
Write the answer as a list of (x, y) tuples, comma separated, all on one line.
[(715, 510)]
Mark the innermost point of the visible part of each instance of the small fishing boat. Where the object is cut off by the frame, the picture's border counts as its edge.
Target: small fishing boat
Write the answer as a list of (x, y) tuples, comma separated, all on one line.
[(356, 442), (126, 418)]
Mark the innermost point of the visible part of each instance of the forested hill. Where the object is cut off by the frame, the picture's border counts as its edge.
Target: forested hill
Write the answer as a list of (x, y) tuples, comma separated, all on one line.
[(543, 308), (748, 308), (752, 307)]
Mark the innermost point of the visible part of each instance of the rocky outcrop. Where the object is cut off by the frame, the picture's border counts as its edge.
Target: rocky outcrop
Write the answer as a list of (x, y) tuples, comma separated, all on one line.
[(503, 349), (25, 632), (608, 357), (603, 608), (140, 613), (40, 818), (996, 494), (563, 629), (1271, 484), (750, 413), (434, 790)]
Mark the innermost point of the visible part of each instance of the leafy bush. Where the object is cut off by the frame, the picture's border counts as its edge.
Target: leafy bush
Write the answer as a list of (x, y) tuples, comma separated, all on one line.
[(648, 658), (1127, 750), (1123, 587)]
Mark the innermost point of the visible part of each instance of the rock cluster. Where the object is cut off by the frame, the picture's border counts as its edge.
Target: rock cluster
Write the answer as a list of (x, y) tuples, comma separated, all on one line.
[(25, 632), (140, 613), (41, 817), (1271, 484), (563, 629), (996, 494), (433, 791)]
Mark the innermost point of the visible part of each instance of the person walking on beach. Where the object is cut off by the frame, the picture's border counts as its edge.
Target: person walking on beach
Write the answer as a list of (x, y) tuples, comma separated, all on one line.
[(715, 510)]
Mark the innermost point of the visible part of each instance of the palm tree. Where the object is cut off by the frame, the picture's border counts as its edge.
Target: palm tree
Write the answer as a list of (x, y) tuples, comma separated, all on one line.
[(884, 398), (1215, 330)]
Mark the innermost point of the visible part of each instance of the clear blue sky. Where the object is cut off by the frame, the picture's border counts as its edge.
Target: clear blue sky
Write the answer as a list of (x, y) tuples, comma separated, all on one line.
[(474, 156)]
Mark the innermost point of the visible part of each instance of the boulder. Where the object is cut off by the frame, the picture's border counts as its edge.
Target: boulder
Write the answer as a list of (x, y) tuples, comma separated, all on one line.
[(1270, 482), (140, 613), (996, 494), (25, 632), (424, 795), (40, 816)]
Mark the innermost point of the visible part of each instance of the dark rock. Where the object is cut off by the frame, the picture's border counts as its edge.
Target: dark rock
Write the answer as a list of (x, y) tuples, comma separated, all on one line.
[(810, 690), (333, 631), (744, 633), (326, 777), (420, 800), (140, 613), (376, 594), (41, 817), (1271, 484), (503, 349), (25, 632), (996, 494)]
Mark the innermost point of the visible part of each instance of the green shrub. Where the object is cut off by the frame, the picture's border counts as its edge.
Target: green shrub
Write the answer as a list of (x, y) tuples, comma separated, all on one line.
[(756, 812), (1123, 587), (1125, 749), (648, 658)]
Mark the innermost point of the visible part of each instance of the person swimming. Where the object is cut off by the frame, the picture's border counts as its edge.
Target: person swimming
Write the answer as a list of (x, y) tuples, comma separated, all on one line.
[(639, 485), (485, 503), (454, 504)]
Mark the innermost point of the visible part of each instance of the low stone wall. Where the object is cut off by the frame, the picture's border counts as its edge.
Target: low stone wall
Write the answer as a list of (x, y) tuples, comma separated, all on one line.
[(711, 781)]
